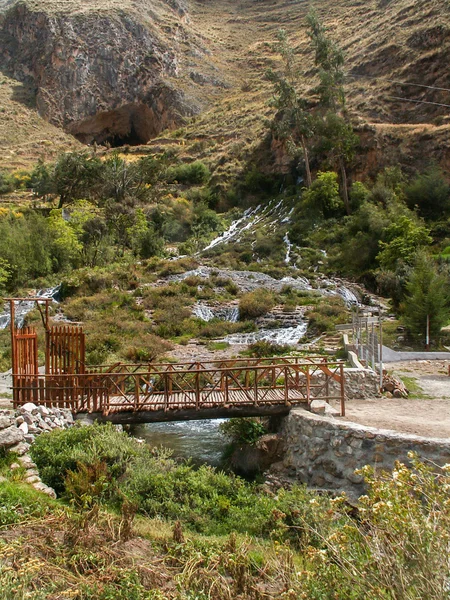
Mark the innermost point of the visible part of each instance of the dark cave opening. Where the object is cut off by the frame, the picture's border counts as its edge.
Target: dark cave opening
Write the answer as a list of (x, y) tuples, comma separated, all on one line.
[(132, 138), (129, 125)]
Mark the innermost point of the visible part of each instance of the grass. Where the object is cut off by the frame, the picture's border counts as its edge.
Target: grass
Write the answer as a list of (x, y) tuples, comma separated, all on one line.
[(213, 346), (310, 545), (415, 390)]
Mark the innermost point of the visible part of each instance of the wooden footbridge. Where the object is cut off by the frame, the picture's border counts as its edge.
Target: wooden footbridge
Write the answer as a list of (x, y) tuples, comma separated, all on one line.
[(127, 393)]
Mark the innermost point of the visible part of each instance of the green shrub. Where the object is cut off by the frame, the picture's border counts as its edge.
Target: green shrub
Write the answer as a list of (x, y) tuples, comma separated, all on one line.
[(255, 304), (61, 451), (264, 348), (243, 431), (328, 313), (191, 173), (6, 183)]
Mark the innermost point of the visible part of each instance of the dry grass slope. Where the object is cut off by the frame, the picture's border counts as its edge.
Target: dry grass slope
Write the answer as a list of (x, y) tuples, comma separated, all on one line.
[(384, 41)]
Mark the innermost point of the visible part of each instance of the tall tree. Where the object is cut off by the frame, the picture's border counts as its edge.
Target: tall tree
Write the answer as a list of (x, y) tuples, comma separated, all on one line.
[(294, 123), (75, 176), (337, 132), (426, 307)]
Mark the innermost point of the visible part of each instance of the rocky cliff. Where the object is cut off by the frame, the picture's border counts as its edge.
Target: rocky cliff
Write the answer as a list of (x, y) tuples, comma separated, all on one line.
[(107, 72)]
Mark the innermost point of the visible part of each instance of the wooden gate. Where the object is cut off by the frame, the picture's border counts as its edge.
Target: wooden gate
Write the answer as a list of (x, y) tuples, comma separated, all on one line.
[(25, 365), (65, 351)]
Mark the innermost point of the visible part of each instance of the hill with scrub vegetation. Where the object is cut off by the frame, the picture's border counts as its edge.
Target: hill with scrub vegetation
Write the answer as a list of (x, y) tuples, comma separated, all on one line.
[(202, 179), (326, 126)]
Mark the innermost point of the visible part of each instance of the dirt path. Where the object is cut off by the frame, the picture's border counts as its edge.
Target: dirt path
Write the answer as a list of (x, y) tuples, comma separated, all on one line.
[(429, 418), (426, 413)]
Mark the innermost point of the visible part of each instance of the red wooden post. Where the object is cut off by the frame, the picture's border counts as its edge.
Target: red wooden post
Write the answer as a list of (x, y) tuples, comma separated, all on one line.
[(341, 369), (197, 387), (286, 387)]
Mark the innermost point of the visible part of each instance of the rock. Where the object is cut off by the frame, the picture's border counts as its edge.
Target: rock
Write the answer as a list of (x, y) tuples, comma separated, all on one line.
[(67, 416), (27, 462), (43, 410), (330, 411), (32, 479), (29, 439), (43, 426), (19, 421), (32, 473), (5, 422), (45, 489), (10, 436), (28, 407), (14, 466), (122, 59), (3, 479), (24, 427), (318, 407), (29, 418), (20, 449)]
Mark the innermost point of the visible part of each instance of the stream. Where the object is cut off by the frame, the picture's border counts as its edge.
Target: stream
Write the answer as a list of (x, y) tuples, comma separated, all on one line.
[(24, 307), (199, 440)]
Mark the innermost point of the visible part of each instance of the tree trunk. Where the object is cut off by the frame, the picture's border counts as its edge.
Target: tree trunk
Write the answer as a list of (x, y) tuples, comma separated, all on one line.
[(344, 185), (307, 167)]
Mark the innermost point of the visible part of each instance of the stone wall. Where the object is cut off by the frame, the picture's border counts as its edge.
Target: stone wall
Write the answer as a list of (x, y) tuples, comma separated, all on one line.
[(18, 430), (359, 384), (324, 452)]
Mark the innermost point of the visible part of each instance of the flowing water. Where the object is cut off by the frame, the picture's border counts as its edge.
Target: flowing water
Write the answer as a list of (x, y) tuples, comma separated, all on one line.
[(23, 308), (282, 335), (224, 313), (199, 440)]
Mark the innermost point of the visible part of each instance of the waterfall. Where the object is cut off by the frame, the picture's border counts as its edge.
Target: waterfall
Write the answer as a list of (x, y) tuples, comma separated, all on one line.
[(24, 307), (287, 241), (203, 312), (349, 297), (286, 335), (232, 231), (224, 313)]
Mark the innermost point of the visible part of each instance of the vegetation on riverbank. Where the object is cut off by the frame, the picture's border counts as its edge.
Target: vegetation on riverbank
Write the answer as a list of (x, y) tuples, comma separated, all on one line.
[(133, 523)]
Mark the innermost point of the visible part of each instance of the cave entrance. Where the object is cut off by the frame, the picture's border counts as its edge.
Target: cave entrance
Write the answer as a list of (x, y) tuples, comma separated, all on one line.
[(132, 125), (133, 138)]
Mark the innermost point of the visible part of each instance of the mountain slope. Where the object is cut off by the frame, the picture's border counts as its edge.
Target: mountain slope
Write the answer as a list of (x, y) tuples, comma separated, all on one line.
[(124, 72)]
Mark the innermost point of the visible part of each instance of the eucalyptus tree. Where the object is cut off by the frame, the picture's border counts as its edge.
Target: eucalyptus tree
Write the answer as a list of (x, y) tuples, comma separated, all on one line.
[(294, 123), (339, 139)]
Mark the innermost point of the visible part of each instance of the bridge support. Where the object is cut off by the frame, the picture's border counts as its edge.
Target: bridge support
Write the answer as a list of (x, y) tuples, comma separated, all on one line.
[(158, 416)]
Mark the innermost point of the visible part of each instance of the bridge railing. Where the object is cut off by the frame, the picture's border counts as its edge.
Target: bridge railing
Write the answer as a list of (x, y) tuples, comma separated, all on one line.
[(121, 367), (171, 387)]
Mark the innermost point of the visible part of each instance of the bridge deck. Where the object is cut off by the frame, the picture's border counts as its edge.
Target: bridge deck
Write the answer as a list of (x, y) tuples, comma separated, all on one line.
[(188, 399)]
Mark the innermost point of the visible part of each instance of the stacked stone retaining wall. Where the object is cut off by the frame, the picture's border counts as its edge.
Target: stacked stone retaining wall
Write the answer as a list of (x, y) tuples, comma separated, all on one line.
[(18, 430), (324, 452)]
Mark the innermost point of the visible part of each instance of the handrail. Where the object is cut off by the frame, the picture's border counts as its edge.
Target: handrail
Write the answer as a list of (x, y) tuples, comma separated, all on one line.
[(263, 383)]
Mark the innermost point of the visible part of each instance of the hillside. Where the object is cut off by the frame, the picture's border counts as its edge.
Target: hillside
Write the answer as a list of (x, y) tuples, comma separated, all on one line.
[(128, 71)]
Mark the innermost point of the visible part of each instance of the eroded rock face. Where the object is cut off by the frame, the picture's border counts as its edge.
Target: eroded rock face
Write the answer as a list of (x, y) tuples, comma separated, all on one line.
[(103, 75)]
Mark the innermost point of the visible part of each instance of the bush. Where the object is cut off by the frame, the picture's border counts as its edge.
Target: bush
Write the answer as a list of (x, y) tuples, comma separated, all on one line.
[(255, 304), (328, 313), (149, 348), (61, 451), (264, 348), (192, 173), (6, 183), (243, 431), (430, 192)]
